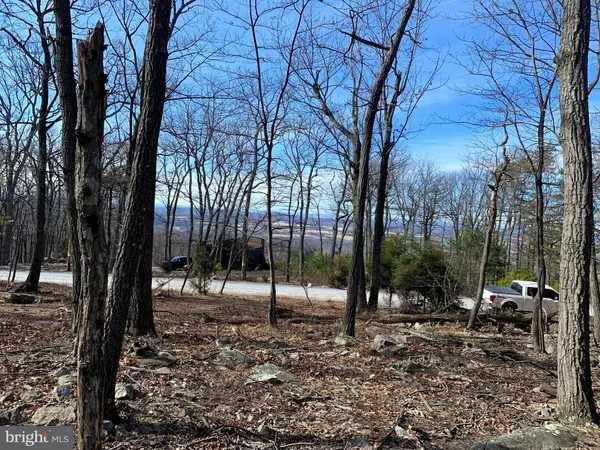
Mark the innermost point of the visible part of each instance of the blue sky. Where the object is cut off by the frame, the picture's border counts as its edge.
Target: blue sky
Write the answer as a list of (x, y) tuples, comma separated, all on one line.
[(442, 142), (447, 143)]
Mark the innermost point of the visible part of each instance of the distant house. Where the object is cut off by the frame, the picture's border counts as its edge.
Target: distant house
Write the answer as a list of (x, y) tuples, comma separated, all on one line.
[(256, 253)]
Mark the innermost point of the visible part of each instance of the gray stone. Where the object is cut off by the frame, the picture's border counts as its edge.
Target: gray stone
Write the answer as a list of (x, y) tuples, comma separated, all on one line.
[(127, 391), (415, 367), (65, 386), (67, 380), (54, 415), (404, 434), (228, 355), (163, 359), (10, 416), (223, 342), (386, 344), (345, 341), (550, 349), (546, 437), (411, 339), (270, 373), (62, 392), (29, 396)]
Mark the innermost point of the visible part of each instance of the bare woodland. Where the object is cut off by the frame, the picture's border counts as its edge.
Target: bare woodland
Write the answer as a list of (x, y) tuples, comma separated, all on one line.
[(135, 132)]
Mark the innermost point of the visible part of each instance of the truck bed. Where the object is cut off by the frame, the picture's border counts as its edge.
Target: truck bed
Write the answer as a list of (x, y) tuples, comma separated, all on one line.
[(502, 290)]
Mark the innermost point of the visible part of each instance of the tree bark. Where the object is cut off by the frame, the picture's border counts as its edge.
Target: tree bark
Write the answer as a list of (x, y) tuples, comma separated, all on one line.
[(575, 399), (65, 82), (90, 130), (139, 210)]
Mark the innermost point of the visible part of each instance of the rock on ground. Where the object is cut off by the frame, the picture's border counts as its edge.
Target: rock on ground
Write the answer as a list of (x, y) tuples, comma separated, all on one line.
[(54, 415), (345, 341), (546, 437), (386, 344), (10, 416), (163, 359), (127, 391), (270, 373), (228, 355)]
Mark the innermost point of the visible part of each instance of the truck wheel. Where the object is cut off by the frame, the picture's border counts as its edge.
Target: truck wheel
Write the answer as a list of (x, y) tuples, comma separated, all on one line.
[(509, 308)]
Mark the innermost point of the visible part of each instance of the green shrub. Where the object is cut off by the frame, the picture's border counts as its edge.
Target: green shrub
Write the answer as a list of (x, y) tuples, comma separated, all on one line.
[(525, 274), (203, 268), (423, 270), (340, 272)]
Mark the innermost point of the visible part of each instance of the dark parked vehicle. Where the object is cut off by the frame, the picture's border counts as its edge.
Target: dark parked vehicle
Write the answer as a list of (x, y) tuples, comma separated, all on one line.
[(177, 263)]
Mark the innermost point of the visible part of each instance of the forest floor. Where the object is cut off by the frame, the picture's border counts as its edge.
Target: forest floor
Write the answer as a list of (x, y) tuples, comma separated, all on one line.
[(444, 389)]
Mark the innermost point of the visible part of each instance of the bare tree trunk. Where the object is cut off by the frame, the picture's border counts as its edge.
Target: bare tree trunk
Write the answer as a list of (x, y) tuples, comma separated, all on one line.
[(33, 278), (7, 237), (245, 223), (139, 210), (575, 399), (537, 324), (485, 256), (291, 220), (140, 320), (272, 280), (65, 82), (356, 287), (191, 233), (497, 175), (378, 231), (90, 130)]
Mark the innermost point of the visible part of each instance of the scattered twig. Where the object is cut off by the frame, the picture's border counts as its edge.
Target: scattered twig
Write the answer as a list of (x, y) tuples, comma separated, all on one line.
[(426, 403), (516, 358), (165, 311), (310, 398)]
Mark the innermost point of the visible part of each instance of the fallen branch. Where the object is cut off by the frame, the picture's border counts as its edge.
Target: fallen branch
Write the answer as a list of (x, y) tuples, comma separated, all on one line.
[(514, 357), (445, 318)]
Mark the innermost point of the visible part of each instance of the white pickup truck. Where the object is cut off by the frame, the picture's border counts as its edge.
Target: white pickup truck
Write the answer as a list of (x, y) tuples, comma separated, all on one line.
[(519, 297)]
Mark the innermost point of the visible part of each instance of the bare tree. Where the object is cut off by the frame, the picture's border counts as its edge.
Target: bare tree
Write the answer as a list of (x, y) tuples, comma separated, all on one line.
[(33, 17), (497, 177), (575, 396), (89, 130), (139, 210), (65, 83)]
